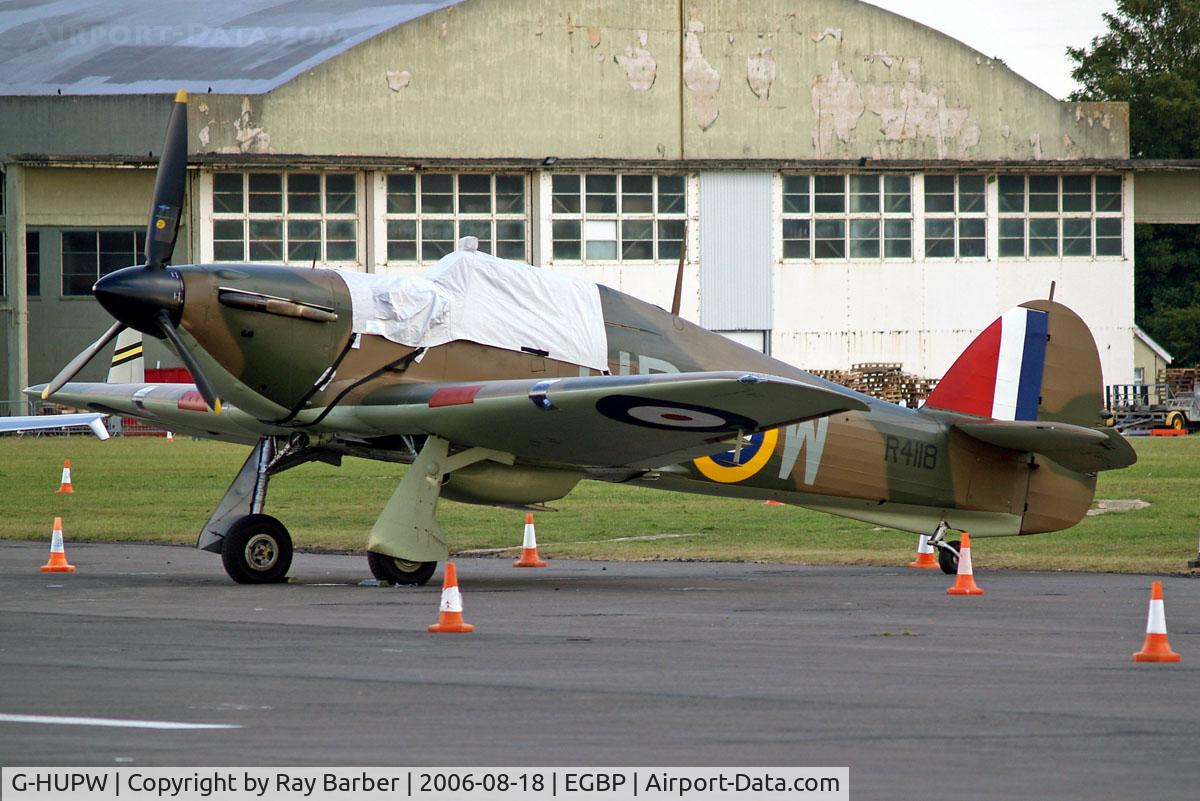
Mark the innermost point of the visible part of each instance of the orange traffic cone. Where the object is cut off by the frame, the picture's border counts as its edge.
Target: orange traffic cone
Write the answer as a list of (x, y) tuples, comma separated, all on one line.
[(65, 487), (58, 555), (925, 555), (170, 436), (529, 554), (450, 620), (964, 584), (1156, 648), (774, 503)]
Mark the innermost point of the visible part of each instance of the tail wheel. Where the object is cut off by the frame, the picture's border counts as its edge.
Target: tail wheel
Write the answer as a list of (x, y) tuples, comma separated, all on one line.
[(257, 550), (948, 559), (400, 571)]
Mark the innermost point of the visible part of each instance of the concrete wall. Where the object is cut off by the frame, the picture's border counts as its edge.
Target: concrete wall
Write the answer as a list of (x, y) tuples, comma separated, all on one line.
[(710, 79)]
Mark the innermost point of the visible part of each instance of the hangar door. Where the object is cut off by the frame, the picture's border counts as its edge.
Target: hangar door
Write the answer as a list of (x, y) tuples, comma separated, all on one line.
[(735, 255)]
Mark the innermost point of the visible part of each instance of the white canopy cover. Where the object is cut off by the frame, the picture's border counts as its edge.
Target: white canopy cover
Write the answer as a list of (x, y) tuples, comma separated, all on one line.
[(477, 297)]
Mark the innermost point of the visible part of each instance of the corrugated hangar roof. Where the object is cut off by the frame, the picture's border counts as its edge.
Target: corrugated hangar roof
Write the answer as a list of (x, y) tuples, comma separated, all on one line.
[(105, 47)]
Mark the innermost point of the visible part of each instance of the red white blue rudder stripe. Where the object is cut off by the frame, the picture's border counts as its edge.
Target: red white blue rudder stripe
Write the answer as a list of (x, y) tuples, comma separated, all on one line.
[(1000, 374)]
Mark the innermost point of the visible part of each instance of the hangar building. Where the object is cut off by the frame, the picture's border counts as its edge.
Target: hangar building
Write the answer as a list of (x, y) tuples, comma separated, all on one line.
[(846, 185)]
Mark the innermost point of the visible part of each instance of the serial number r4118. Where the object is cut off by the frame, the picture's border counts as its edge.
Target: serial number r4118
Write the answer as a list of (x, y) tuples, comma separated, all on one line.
[(910, 453)]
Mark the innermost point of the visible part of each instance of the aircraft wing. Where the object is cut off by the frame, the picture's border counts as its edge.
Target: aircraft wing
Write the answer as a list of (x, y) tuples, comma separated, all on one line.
[(603, 421), (48, 422)]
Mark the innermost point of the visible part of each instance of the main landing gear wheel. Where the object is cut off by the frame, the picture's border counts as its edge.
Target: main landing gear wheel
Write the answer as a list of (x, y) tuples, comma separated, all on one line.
[(948, 559), (400, 571), (257, 550)]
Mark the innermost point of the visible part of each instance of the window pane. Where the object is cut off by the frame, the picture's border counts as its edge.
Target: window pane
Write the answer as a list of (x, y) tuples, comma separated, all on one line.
[(566, 194), (304, 239), (437, 195), (864, 239), (972, 239), (1108, 193), (266, 240), (795, 239), (340, 251), (897, 197), (1012, 193), (671, 198), (830, 195), (227, 193), (1012, 237), (304, 193), (480, 229), (830, 239), (637, 240), (510, 239), (864, 193), (897, 235), (1077, 237), (1108, 236), (475, 194), (266, 193), (939, 239), (602, 196), (939, 194), (600, 239), (1077, 193), (33, 264), (795, 194), (228, 251), (971, 190), (340, 193), (402, 240), (670, 239), (1043, 193), (401, 194), (437, 238), (566, 235), (117, 250), (1043, 238), (637, 194), (510, 194)]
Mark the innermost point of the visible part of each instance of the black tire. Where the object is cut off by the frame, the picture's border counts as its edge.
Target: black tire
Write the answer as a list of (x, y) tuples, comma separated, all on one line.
[(400, 571), (257, 550), (948, 560)]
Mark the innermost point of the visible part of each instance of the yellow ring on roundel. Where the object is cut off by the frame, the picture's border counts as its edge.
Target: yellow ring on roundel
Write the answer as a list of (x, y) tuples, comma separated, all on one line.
[(709, 468)]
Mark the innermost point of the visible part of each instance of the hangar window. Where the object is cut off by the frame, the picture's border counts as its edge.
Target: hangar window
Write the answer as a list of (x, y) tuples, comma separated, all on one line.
[(847, 216), (427, 213), (33, 283), (617, 218), (87, 255), (955, 217), (285, 217), (1053, 216)]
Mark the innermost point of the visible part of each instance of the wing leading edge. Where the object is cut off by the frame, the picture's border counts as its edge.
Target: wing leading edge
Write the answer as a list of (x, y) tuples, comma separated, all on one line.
[(604, 421)]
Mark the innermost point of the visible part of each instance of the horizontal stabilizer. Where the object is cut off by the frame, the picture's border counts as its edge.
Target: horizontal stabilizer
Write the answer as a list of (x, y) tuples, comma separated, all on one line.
[(55, 422), (1084, 450)]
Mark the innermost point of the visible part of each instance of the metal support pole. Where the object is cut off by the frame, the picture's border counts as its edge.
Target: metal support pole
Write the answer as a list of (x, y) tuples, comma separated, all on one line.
[(17, 319)]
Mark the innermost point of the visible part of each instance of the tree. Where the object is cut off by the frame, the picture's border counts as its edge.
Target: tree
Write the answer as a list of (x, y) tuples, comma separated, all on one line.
[(1150, 58)]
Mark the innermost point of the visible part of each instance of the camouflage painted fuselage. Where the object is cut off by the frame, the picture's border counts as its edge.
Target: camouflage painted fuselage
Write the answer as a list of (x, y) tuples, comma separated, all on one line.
[(892, 466)]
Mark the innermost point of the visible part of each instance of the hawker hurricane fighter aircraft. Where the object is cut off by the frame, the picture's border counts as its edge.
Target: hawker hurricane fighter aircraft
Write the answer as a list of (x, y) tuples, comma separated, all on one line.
[(500, 383)]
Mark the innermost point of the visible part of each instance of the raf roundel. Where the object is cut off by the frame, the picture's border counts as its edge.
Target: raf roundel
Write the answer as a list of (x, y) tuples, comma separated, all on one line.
[(675, 415), (738, 465)]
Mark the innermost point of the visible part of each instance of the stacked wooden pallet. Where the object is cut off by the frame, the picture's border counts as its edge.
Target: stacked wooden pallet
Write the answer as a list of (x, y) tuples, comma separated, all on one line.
[(885, 380), (1181, 380)]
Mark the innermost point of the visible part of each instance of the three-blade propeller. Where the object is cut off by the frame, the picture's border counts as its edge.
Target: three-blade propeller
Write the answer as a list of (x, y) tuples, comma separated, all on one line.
[(144, 297)]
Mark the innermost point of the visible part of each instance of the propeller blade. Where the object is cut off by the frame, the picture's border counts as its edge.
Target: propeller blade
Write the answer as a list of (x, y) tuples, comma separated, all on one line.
[(167, 207), (189, 359), (85, 356)]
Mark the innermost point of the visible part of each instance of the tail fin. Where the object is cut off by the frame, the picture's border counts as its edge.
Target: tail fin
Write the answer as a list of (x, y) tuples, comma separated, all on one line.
[(1037, 361), (1034, 377), (128, 363)]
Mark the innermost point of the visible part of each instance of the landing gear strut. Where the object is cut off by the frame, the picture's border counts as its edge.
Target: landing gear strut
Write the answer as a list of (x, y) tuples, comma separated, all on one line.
[(947, 552)]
